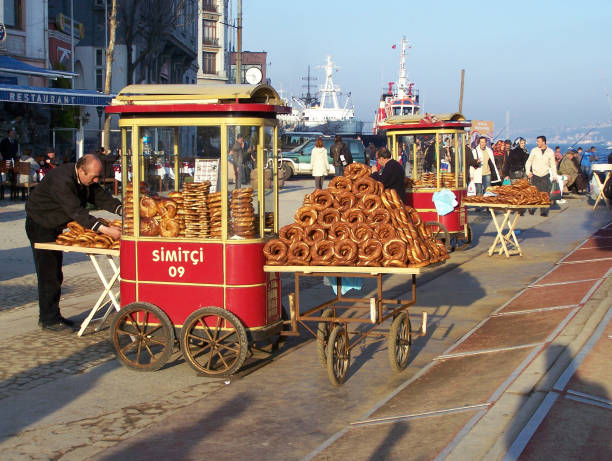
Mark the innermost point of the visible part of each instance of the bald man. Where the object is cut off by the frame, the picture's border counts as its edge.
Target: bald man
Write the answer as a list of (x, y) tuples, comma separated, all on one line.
[(61, 197)]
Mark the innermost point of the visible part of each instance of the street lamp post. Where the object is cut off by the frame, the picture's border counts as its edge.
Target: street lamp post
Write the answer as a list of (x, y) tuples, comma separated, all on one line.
[(100, 111)]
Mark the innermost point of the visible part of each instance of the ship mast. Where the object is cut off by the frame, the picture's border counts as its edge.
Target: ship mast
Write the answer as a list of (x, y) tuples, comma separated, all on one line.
[(402, 81), (329, 88)]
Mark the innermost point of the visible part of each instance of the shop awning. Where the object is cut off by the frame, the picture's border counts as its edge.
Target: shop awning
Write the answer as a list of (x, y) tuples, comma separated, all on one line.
[(14, 66), (56, 96)]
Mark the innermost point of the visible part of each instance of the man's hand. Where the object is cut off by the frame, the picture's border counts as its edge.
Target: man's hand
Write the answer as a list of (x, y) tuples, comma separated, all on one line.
[(374, 169), (111, 231), (530, 175)]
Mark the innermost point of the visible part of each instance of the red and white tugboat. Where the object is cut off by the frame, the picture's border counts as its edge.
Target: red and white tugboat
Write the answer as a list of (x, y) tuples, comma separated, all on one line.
[(401, 98)]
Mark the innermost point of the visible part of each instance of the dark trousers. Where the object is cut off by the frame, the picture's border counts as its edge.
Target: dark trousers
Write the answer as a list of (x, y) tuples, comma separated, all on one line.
[(543, 184), (318, 182), (48, 264), (339, 170)]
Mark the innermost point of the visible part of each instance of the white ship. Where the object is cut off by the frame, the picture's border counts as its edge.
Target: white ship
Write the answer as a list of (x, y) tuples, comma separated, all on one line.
[(323, 114)]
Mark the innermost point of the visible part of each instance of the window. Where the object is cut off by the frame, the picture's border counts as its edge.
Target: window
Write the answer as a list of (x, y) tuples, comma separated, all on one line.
[(210, 33), (99, 69), (13, 14), (209, 63)]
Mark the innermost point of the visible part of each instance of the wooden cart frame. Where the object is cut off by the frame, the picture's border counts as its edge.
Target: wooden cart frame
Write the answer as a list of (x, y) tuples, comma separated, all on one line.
[(335, 339)]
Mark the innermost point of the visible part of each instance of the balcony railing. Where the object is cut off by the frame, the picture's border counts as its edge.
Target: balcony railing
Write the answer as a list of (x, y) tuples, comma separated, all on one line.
[(211, 41)]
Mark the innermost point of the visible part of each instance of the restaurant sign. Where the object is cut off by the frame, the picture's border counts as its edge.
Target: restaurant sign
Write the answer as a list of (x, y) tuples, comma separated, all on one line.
[(62, 97)]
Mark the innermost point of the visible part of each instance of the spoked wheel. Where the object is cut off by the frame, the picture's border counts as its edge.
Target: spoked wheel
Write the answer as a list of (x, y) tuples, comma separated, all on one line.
[(399, 342), (439, 231), (214, 342), (323, 330), (338, 355), (142, 336), (463, 243)]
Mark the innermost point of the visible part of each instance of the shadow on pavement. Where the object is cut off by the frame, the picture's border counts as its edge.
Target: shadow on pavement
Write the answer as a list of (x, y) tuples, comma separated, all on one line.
[(16, 417), (569, 429), (179, 440), (12, 216)]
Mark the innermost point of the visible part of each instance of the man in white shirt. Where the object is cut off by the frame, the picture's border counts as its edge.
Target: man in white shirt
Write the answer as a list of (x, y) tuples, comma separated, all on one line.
[(486, 172), (540, 168)]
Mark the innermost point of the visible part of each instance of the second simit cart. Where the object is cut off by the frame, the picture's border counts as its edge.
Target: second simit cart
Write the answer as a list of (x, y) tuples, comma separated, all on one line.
[(434, 147)]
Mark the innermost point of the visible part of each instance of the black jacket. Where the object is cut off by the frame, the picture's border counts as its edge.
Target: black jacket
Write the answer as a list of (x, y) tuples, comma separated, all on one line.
[(9, 149), (59, 199), (515, 161), (392, 176), (340, 148)]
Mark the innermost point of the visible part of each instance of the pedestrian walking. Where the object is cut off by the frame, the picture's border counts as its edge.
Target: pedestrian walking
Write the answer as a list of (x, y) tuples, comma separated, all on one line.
[(341, 155), (319, 163), (486, 173), (61, 197), (514, 166), (540, 168)]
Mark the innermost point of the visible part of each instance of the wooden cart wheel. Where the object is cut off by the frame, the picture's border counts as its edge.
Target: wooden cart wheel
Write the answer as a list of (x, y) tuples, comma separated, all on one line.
[(323, 330), (439, 231), (462, 244), (338, 356), (142, 336), (214, 342), (399, 342)]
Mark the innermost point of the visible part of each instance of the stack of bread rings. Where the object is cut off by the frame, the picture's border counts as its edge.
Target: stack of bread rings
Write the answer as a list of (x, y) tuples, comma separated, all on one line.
[(214, 210), (519, 193), (355, 222), (242, 213), (180, 210), (195, 198), (78, 236)]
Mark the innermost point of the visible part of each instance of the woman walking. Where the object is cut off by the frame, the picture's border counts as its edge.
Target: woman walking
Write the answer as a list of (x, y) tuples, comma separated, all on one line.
[(514, 166), (319, 163)]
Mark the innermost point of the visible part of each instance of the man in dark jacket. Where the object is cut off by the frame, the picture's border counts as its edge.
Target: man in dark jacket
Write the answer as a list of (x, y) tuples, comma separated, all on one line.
[(9, 146), (391, 173), (341, 155), (61, 197)]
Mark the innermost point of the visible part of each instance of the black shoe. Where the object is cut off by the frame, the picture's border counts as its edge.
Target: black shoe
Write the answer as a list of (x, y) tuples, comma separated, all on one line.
[(58, 327), (62, 325), (532, 211), (68, 322), (544, 214)]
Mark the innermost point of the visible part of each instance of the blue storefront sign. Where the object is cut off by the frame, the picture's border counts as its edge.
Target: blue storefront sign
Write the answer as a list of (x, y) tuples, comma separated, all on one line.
[(56, 96)]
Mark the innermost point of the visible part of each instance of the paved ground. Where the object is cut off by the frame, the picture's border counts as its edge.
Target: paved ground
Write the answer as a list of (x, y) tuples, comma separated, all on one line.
[(64, 397)]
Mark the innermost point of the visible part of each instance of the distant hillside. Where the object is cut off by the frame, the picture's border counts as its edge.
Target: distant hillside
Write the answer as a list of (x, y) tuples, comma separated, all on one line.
[(599, 136)]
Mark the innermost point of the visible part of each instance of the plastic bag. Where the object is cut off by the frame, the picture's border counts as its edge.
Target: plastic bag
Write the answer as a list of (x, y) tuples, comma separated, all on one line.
[(594, 188), (471, 189), (555, 191)]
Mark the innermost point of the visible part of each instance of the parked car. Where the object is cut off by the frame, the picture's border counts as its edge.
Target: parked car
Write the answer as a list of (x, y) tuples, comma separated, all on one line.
[(292, 139), (297, 160)]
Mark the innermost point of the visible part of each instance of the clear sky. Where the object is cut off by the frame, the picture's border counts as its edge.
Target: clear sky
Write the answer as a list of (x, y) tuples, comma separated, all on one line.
[(546, 62)]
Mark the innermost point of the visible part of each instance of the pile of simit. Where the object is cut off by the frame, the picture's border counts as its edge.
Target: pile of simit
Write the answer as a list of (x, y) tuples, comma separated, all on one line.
[(355, 222)]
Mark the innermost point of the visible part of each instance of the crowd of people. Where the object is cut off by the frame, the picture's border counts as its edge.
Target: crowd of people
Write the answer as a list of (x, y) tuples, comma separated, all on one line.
[(541, 165)]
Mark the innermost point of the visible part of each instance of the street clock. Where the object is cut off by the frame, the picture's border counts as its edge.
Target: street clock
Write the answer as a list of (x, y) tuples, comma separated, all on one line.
[(253, 75)]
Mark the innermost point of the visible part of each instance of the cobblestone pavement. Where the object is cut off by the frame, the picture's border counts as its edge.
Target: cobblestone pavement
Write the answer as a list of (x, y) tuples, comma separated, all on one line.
[(82, 438), (36, 358)]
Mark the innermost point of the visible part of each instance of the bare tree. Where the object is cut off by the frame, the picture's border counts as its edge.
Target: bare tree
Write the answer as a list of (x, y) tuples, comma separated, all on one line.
[(148, 26), (109, 64)]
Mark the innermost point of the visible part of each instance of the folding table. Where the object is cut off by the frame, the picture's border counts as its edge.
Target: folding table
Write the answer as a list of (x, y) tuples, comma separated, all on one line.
[(108, 283), (503, 241), (603, 167)]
